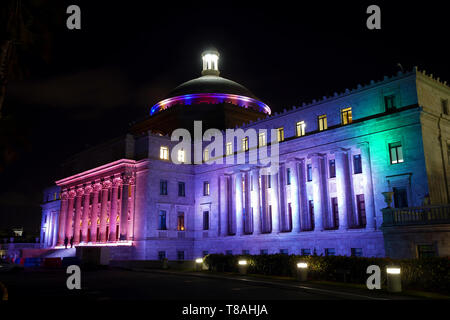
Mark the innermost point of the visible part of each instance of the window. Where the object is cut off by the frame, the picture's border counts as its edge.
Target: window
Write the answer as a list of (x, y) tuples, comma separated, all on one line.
[(323, 122), (356, 252), (161, 255), (309, 172), (288, 176), (426, 251), (206, 188), (389, 102), (264, 251), (357, 167), (361, 207), (204, 253), (330, 252), (335, 212), (245, 144), (280, 134), (162, 220), (306, 252), (262, 139), (332, 168), (284, 251), (180, 255), (246, 252), (290, 216), (444, 104), (180, 221), (396, 152), (346, 116), (206, 155), (163, 187), (300, 128), (181, 156), (269, 181), (311, 213), (164, 153), (229, 252), (229, 148), (400, 197), (205, 220), (181, 189)]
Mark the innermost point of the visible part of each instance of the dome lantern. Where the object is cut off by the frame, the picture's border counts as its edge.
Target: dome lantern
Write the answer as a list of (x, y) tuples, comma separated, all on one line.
[(210, 63)]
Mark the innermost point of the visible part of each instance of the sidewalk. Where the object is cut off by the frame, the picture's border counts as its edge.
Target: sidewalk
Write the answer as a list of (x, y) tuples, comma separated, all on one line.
[(342, 290)]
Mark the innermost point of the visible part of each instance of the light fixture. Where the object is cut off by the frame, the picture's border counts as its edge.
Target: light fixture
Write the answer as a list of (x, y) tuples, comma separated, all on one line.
[(242, 262), (393, 270), (199, 260), (302, 265)]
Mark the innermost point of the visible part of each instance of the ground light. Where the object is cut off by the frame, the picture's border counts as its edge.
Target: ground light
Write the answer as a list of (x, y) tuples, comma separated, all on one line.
[(394, 279), (302, 271), (198, 264), (242, 265)]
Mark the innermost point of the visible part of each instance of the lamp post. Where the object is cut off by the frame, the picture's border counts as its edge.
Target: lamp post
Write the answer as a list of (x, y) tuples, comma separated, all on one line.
[(198, 264), (394, 279), (242, 265), (302, 271)]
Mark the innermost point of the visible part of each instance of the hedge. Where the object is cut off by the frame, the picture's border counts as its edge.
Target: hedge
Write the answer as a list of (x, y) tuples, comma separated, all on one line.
[(430, 274)]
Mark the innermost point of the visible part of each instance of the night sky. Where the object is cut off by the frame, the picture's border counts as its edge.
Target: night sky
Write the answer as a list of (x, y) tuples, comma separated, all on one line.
[(82, 87)]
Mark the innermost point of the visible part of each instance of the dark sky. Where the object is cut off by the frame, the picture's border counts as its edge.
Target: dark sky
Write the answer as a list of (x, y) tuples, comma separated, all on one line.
[(129, 54)]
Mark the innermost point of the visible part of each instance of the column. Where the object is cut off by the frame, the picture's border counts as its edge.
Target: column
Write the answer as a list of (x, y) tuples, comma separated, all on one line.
[(223, 203), (275, 202), (342, 187), (303, 210), (247, 204), (232, 205), (368, 185), (238, 204), (256, 203), (114, 206), (104, 209), (123, 229), (94, 211), (264, 220), (69, 217), (130, 222), (76, 223), (282, 198), (85, 224), (295, 205), (55, 230), (317, 191), (62, 218)]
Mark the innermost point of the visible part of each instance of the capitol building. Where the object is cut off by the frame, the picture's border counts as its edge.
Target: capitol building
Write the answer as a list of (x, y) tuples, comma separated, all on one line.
[(363, 172)]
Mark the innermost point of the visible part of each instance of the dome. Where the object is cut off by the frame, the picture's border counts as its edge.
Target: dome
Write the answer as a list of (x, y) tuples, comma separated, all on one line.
[(211, 84), (210, 88)]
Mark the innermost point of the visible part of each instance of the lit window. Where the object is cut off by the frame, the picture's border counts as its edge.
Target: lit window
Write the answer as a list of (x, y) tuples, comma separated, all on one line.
[(323, 122), (245, 144), (280, 134), (346, 116), (300, 128), (229, 148), (181, 156), (180, 221), (396, 152), (206, 188), (164, 153), (206, 155), (262, 139)]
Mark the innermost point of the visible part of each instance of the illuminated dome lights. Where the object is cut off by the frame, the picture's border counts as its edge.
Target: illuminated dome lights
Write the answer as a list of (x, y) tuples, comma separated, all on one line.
[(210, 88)]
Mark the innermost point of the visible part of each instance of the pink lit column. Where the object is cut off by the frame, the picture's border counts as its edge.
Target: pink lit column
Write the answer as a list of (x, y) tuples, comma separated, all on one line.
[(282, 197), (76, 223), (264, 215), (114, 205), (85, 219), (104, 209), (94, 212), (257, 205), (69, 217), (239, 204), (247, 203), (130, 223), (123, 229), (62, 218)]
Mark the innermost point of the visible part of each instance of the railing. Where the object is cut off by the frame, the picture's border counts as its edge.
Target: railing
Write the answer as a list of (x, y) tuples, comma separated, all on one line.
[(417, 215)]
